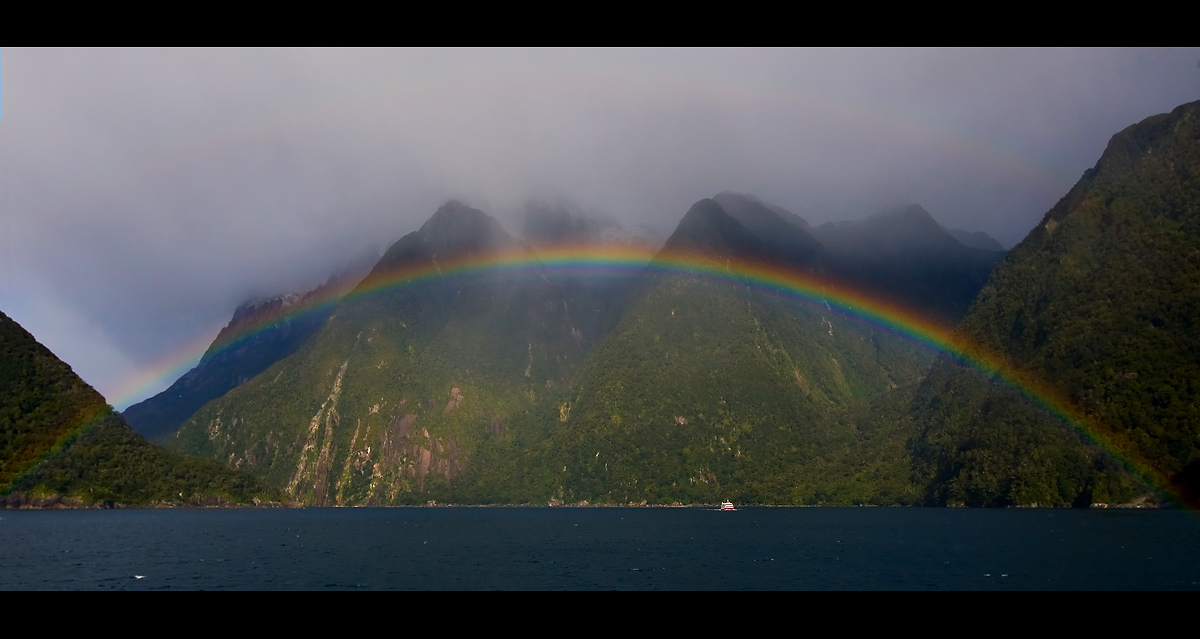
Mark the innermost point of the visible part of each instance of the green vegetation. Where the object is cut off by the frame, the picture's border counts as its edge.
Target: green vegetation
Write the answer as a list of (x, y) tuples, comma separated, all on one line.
[(707, 393), (672, 389), (61, 444), (667, 388), (42, 401), (109, 464), (393, 397), (1101, 302), (481, 390)]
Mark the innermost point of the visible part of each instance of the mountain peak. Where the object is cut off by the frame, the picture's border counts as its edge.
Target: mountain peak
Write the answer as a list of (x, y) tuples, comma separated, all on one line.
[(708, 227), (456, 225), (785, 235), (454, 228), (738, 204), (749, 230)]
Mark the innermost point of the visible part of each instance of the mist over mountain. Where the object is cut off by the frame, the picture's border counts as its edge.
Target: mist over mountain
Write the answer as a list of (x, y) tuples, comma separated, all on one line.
[(706, 391), (534, 385), (260, 333), (159, 198), (907, 256), (976, 239), (547, 226), (470, 388), (400, 388), (903, 255), (738, 225), (786, 235), (682, 389), (151, 192)]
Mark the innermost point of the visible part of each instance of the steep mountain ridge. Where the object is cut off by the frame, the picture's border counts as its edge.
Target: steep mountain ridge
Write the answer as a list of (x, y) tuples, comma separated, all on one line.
[(61, 445), (395, 393), (260, 333), (1099, 302), (909, 230), (44, 401), (785, 235), (735, 203)]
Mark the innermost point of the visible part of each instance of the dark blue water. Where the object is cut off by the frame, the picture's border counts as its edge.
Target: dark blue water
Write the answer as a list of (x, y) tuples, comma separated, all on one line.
[(600, 548)]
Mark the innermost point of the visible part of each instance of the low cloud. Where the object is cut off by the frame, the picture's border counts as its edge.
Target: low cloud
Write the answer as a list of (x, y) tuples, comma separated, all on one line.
[(149, 192)]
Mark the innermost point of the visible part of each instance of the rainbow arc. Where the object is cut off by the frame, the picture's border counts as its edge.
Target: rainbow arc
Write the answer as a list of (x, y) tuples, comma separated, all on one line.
[(615, 259)]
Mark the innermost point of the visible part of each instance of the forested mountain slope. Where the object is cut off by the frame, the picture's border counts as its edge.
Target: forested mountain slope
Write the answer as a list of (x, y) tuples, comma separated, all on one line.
[(469, 387), (395, 393), (62, 445), (1100, 302), (709, 391)]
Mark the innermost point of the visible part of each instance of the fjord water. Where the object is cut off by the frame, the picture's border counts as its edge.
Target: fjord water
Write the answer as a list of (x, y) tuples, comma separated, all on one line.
[(601, 548)]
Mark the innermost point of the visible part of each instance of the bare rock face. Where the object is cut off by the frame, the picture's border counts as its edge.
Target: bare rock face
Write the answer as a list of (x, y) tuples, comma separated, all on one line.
[(455, 399), (432, 457), (401, 424)]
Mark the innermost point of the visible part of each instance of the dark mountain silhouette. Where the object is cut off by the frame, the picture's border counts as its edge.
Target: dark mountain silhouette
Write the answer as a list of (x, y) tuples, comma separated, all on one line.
[(976, 239), (737, 203), (907, 257), (784, 236)]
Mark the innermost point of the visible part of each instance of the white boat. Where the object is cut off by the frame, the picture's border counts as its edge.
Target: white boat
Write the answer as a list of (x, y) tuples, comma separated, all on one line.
[(727, 505)]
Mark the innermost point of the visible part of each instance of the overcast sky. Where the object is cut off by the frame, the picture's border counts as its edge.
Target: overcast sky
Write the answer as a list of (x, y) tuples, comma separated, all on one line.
[(145, 194)]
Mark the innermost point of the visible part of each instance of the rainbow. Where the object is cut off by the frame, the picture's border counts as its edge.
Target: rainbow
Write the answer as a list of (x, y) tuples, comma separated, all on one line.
[(615, 259), (75, 427)]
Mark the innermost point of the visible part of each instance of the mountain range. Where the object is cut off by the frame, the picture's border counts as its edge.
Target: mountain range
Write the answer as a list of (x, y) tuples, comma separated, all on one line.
[(647, 384), (751, 356)]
